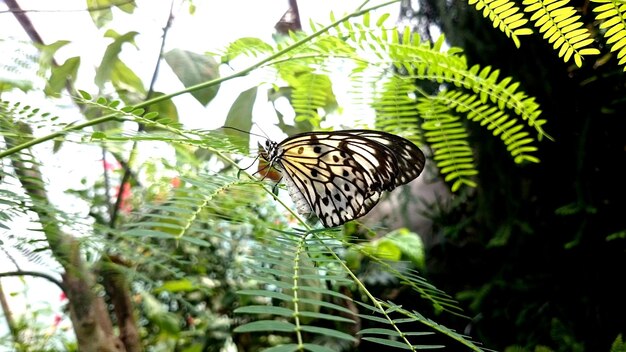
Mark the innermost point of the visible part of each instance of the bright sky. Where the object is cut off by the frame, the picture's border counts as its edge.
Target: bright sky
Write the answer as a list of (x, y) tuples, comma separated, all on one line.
[(212, 27)]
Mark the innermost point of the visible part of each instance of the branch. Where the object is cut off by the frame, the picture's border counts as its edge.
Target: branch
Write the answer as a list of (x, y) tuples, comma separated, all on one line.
[(35, 274), (28, 27), (88, 9), (8, 317)]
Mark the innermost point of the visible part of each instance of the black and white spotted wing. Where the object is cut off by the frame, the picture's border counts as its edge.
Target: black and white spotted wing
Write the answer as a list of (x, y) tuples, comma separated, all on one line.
[(341, 175)]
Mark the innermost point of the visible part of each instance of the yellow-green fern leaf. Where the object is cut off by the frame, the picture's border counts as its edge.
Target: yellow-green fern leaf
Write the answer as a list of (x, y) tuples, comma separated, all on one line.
[(505, 16), (511, 131), (560, 25), (447, 136), (612, 13)]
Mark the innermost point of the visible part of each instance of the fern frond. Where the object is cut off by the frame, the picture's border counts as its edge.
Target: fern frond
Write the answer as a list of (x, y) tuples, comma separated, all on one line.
[(295, 271), (207, 200), (18, 68), (17, 112), (400, 316), (510, 131), (505, 94), (561, 27), (288, 274), (505, 16), (612, 14), (395, 109), (248, 46), (163, 129), (311, 93), (423, 61), (448, 139)]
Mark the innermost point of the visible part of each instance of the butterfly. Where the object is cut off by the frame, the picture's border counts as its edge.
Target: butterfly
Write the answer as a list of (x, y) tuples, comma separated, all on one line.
[(341, 175)]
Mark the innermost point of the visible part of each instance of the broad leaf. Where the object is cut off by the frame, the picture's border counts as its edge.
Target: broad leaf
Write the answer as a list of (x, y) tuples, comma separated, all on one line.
[(192, 69), (240, 115), (110, 58), (60, 75)]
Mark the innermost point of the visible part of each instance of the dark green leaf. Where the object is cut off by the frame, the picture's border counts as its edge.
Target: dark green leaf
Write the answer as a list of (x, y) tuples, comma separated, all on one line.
[(266, 325), (262, 293), (85, 95), (283, 348), (326, 316), (316, 348), (193, 69), (196, 241), (389, 332), (240, 115), (390, 343), (272, 310), (165, 109), (327, 332)]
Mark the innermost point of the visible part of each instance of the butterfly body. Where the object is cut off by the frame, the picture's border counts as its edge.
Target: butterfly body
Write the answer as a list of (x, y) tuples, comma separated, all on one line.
[(341, 175)]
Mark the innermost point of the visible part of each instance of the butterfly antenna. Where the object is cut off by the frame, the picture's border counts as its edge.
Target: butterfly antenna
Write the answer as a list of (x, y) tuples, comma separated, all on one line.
[(242, 131), (259, 126)]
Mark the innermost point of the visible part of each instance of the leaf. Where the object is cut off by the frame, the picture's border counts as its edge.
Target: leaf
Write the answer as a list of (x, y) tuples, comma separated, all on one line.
[(110, 58), (327, 332), (240, 115), (47, 54), (192, 69), (101, 13), (266, 325), (283, 348), (183, 285), (270, 310), (410, 244), (164, 108), (316, 348), (390, 343), (59, 76), (126, 81)]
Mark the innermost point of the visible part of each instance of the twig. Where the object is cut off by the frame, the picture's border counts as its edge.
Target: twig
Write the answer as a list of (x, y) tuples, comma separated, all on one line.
[(35, 274), (88, 9)]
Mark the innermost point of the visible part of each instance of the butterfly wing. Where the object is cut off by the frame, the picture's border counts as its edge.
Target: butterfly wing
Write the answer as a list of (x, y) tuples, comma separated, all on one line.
[(410, 158), (342, 174)]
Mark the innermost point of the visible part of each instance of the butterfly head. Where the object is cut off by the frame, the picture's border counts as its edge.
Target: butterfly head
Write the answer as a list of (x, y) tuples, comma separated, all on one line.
[(270, 152)]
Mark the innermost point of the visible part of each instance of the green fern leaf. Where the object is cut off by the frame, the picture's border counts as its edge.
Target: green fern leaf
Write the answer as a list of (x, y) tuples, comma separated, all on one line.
[(245, 46), (561, 27), (395, 110), (448, 138), (508, 129), (505, 16), (612, 13)]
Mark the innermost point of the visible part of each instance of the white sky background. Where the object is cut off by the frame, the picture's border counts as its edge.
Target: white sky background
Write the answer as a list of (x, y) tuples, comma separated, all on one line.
[(212, 27)]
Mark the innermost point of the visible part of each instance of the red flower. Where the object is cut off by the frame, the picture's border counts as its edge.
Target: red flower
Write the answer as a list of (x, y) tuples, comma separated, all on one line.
[(57, 320), (175, 182), (125, 205), (62, 296), (110, 166)]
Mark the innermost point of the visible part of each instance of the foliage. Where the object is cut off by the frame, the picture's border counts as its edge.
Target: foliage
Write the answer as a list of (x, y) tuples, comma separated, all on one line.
[(214, 257)]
